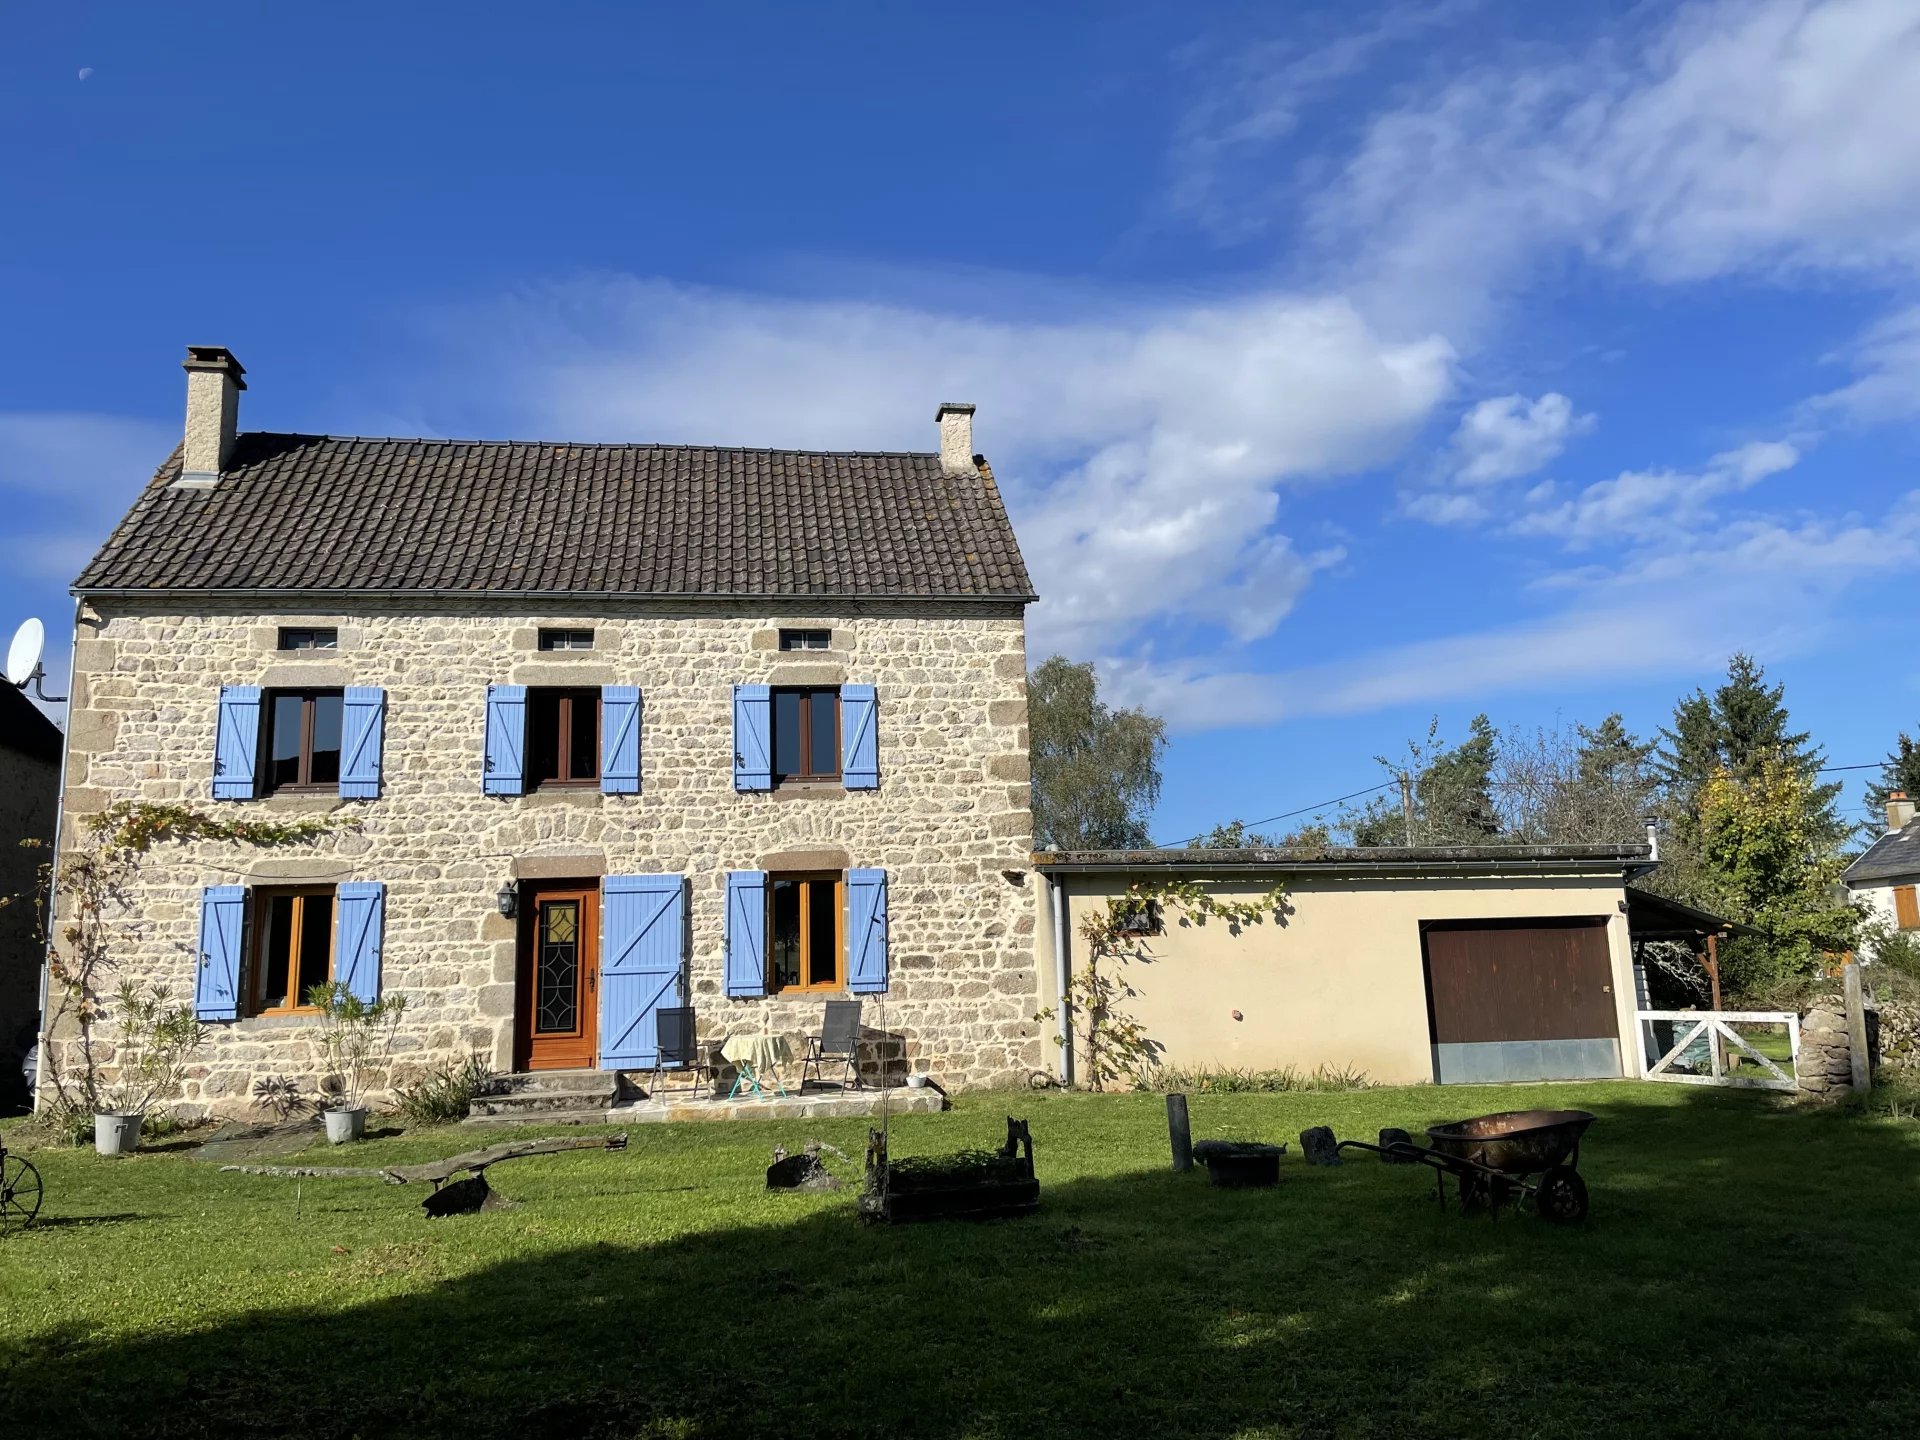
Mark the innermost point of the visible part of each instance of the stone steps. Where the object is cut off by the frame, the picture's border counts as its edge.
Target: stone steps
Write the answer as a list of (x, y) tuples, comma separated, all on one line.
[(579, 1097)]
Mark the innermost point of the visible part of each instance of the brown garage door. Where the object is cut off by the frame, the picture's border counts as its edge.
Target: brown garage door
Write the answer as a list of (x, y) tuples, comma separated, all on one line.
[(1521, 1000)]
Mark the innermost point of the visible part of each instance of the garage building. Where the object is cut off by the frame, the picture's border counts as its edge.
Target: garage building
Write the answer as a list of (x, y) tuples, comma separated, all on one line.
[(1454, 965)]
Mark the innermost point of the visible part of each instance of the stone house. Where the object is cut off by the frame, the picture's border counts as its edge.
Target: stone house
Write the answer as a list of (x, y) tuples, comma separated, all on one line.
[(617, 727), (29, 793)]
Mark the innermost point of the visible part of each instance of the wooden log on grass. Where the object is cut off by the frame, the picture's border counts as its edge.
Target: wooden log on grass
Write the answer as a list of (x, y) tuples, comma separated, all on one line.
[(435, 1171)]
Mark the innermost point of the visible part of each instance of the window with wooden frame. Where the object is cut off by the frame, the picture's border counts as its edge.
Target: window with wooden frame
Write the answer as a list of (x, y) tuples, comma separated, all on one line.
[(1906, 907), (806, 734), (563, 737), (806, 940), (307, 637), (292, 948), (552, 639), (806, 639), (302, 740)]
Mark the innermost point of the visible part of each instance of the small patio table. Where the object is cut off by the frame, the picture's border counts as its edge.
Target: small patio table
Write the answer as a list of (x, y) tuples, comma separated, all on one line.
[(757, 1054)]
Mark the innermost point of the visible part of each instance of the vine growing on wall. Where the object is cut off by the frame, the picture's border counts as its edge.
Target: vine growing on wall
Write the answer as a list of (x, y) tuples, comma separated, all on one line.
[(93, 902), (1110, 1044)]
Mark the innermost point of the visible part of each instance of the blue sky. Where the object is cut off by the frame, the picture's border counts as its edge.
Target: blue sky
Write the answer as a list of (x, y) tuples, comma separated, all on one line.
[(1343, 365)]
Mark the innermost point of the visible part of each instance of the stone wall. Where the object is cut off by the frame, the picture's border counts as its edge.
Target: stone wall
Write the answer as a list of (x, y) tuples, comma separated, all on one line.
[(949, 823), (1824, 1067)]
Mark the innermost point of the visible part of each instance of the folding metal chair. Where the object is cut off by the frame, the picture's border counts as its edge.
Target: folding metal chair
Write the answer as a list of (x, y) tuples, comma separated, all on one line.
[(680, 1050), (838, 1040)]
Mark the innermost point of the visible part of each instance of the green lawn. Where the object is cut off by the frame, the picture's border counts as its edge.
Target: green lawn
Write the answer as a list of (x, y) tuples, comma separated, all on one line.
[(1748, 1268)]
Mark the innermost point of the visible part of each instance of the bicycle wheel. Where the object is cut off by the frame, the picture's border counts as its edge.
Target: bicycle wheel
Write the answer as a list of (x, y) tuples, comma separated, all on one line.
[(19, 1193)]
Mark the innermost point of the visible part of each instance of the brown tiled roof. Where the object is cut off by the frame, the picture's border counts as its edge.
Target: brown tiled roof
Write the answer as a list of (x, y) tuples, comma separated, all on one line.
[(324, 513)]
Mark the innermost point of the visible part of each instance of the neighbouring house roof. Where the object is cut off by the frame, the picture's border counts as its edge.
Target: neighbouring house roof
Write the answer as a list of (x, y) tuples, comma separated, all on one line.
[(1655, 917), (1894, 856), (321, 513), (24, 730), (1382, 859)]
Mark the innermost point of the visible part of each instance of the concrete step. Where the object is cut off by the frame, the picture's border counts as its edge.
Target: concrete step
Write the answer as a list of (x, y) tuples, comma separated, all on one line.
[(543, 1094), (597, 1116)]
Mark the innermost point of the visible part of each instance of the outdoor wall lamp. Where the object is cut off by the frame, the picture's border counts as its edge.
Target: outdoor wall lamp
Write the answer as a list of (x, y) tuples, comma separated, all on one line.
[(509, 900)]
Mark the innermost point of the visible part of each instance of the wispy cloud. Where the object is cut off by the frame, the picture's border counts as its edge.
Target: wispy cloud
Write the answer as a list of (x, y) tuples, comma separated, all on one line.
[(1146, 449), (1641, 504)]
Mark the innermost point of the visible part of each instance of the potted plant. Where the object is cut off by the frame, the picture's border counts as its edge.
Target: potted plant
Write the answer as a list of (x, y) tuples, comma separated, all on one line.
[(354, 1032), (156, 1039)]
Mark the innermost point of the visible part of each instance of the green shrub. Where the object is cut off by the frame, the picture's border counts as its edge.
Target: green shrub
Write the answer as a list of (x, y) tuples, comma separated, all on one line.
[(445, 1092), (1232, 1080)]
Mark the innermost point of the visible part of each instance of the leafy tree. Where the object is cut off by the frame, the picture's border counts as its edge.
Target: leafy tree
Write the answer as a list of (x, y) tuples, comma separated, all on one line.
[(1577, 786), (1772, 861), (1901, 771), (1234, 835), (1096, 770), (1452, 793)]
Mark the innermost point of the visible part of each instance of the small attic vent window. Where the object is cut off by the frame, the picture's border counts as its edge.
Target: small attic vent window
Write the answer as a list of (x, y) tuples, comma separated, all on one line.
[(806, 639), (566, 639), (307, 638)]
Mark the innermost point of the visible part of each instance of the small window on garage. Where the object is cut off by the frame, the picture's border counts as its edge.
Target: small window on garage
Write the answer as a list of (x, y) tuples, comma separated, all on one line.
[(806, 639), (307, 637), (552, 639)]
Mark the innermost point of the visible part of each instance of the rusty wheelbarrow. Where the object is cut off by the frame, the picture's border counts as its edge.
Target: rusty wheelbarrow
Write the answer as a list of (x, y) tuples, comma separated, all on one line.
[(1500, 1159)]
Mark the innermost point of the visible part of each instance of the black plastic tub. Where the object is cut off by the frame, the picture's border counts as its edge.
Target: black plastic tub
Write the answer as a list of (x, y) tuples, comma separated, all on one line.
[(1236, 1166)]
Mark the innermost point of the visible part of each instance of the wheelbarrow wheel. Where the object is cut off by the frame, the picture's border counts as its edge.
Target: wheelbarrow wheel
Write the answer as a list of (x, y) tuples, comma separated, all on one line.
[(19, 1193), (1562, 1196)]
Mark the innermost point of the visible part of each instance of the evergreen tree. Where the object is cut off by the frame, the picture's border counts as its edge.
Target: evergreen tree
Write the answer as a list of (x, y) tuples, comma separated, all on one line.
[(1452, 793), (1901, 771), (1096, 770), (1741, 729)]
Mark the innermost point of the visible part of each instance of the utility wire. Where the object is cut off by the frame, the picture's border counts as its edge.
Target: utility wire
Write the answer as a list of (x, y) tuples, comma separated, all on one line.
[(1303, 810)]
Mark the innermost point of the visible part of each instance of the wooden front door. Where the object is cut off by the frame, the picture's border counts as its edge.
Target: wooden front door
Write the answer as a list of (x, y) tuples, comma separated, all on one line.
[(559, 975)]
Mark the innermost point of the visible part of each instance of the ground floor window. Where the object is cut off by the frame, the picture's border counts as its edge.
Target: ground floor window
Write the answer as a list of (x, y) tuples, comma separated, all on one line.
[(293, 947), (806, 947)]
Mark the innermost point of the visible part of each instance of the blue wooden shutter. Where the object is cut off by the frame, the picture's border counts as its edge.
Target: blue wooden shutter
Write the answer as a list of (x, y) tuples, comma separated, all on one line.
[(223, 928), (867, 931), (643, 926), (236, 746), (752, 737), (363, 718), (506, 739), (620, 743), (746, 933), (359, 916), (859, 738)]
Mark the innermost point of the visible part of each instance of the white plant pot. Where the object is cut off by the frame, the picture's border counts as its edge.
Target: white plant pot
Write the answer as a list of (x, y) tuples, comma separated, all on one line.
[(344, 1125), (115, 1133), (917, 1082)]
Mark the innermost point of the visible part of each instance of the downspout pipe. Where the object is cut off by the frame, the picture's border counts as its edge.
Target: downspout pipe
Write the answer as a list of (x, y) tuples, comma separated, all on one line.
[(1062, 975)]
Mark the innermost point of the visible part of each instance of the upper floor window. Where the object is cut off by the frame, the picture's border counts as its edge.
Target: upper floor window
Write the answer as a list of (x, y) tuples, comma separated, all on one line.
[(806, 639), (307, 638), (293, 948), (565, 639), (563, 737), (806, 734), (302, 739)]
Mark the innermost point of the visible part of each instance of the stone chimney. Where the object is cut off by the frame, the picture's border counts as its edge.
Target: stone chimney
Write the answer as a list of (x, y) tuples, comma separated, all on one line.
[(1899, 810), (214, 383), (956, 439)]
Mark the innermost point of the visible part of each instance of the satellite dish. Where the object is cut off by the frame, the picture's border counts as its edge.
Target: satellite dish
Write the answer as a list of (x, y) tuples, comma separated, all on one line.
[(23, 655)]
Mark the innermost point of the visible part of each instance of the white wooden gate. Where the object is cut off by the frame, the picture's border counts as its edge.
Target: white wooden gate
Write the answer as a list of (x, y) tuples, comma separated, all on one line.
[(1717, 1026)]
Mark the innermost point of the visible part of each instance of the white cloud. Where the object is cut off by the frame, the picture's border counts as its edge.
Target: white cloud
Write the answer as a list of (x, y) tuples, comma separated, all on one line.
[(1887, 361), (1509, 436), (1144, 449), (1643, 504)]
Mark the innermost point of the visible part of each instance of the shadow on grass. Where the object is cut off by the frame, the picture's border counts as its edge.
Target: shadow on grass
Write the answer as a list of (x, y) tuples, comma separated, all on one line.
[(1342, 1302), (83, 1222)]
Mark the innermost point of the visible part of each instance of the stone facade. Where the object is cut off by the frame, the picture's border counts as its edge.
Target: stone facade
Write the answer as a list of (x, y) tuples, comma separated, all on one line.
[(949, 821)]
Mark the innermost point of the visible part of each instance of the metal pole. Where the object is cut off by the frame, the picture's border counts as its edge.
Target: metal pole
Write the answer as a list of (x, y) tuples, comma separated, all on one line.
[(1062, 976)]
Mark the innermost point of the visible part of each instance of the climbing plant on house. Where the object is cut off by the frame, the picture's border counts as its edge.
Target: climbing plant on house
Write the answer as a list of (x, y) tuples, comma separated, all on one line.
[(91, 888), (1109, 1043)]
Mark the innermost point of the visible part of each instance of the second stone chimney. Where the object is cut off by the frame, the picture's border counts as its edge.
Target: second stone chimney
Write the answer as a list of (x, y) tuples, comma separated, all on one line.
[(214, 382), (956, 439), (1899, 810)]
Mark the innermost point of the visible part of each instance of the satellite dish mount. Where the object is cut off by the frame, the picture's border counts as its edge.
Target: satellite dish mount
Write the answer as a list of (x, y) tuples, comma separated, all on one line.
[(23, 660)]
